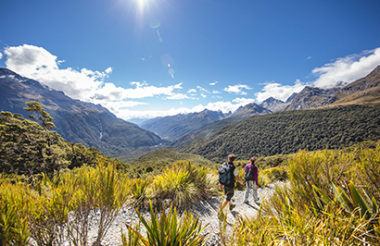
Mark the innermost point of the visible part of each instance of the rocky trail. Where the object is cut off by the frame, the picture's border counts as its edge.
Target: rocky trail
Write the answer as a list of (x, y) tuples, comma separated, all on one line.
[(206, 210)]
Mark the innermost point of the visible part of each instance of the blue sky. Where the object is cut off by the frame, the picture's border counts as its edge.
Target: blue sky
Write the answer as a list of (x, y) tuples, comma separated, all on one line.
[(148, 58)]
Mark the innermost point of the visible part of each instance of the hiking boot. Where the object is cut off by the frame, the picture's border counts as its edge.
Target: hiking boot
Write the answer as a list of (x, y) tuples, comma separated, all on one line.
[(246, 202), (232, 206)]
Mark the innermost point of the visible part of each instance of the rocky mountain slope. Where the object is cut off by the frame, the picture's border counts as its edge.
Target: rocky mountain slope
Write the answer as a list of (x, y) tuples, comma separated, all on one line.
[(362, 91), (273, 104), (311, 97), (249, 110), (76, 121)]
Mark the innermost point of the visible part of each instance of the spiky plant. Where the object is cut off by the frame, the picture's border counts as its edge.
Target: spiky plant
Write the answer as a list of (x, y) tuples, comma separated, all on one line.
[(167, 229), (138, 192), (175, 186)]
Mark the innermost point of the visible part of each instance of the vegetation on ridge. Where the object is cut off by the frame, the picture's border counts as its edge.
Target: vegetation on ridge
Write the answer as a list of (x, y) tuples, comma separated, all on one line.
[(287, 132)]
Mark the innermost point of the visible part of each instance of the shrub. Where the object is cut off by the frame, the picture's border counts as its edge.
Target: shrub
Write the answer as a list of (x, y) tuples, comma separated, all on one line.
[(14, 225)]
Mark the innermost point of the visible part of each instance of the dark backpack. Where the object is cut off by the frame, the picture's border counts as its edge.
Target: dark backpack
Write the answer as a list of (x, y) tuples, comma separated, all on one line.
[(226, 175), (250, 172)]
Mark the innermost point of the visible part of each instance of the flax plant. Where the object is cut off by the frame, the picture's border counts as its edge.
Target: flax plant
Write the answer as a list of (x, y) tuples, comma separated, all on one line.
[(168, 229), (201, 177), (175, 186), (138, 192)]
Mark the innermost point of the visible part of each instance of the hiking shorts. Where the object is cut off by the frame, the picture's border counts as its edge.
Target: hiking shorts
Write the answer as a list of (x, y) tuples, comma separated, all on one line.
[(229, 192)]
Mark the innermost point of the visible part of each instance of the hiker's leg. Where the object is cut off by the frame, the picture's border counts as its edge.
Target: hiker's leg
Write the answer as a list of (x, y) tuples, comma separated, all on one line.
[(229, 192), (254, 191), (246, 193)]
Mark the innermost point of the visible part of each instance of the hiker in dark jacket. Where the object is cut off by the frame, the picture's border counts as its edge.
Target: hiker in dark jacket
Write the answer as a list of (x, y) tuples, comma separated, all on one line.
[(251, 181), (229, 190)]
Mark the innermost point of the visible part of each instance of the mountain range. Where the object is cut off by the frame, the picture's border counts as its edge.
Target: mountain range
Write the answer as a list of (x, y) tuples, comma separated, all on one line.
[(365, 91), (94, 126), (76, 121), (174, 127), (182, 129)]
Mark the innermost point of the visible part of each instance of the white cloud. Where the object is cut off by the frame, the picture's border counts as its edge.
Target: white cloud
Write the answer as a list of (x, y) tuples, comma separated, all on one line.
[(342, 71), (238, 89), (87, 85), (215, 92), (192, 91), (1, 55), (223, 106), (138, 84), (278, 91), (119, 107), (347, 69), (37, 63), (177, 96), (108, 70), (148, 114), (202, 89), (243, 101), (214, 83)]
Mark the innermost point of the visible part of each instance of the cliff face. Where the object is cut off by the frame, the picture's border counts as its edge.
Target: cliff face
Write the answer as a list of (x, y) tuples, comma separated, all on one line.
[(311, 97)]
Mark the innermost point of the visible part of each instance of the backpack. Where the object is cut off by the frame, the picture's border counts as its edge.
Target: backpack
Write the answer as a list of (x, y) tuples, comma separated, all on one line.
[(250, 172), (226, 175)]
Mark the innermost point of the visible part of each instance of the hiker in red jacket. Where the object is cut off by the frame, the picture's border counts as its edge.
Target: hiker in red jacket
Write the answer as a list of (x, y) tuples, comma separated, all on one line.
[(251, 180)]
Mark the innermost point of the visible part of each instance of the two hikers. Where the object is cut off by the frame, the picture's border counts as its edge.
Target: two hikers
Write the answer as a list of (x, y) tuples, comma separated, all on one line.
[(227, 176)]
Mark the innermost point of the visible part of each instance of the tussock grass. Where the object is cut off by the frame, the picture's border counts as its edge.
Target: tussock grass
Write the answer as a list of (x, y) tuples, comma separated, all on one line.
[(332, 199), (41, 213)]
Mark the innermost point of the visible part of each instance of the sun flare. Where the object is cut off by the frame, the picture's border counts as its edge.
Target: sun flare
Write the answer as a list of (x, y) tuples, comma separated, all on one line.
[(142, 3)]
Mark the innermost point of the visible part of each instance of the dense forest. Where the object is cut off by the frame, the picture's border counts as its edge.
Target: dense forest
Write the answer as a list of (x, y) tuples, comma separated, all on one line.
[(287, 132)]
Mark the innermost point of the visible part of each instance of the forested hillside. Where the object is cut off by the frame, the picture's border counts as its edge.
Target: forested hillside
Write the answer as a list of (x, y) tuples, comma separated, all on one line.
[(27, 148), (287, 132)]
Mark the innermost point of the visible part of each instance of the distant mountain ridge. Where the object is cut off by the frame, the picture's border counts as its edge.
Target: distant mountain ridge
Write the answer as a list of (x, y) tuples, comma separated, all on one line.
[(174, 127), (76, 121), (249, 110), (240, 114)]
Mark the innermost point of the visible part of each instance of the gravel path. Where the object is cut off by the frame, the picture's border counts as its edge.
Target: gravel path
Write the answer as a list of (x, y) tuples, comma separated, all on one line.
[(207, 211)]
